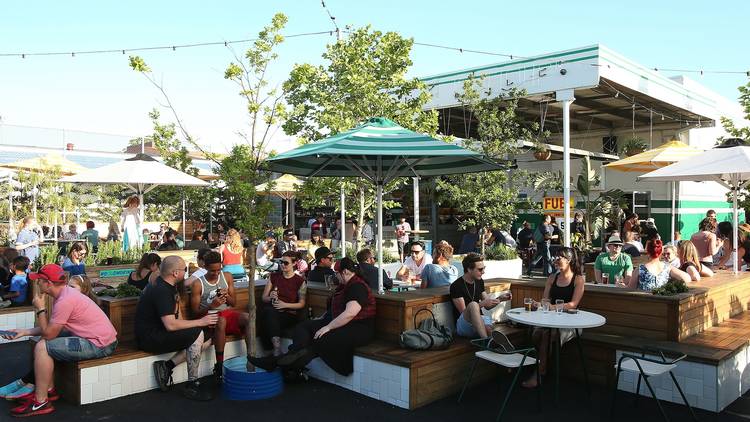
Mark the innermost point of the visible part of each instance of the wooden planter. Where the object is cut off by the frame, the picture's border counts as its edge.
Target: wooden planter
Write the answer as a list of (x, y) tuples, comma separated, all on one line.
[(542, 155)]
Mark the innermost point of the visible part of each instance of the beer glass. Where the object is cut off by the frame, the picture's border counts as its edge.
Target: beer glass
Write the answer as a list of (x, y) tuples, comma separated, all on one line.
[(605, 278), (527, 301)]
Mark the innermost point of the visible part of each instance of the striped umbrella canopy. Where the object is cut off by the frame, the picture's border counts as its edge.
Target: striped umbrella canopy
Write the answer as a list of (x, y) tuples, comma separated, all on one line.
[(662, 156), (49, 162), (380, 151)]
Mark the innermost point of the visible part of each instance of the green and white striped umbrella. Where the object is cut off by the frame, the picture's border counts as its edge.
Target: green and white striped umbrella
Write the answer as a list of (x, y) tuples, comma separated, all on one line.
[(380, 150)]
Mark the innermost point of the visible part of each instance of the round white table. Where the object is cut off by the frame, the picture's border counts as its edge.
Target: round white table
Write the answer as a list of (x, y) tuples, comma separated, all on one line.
[(557, 321)]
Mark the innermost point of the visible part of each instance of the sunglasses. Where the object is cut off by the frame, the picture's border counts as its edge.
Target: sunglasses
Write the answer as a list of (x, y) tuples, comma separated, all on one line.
[(480, 269), (285, 263), (413, 252), (330, 257)]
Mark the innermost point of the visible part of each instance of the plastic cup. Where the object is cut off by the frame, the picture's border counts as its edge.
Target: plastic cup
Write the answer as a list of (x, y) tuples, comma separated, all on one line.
[(545, 305), (212, 312), (559, 303)]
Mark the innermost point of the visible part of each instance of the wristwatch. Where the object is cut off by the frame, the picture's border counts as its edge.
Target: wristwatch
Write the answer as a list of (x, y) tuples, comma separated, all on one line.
[(39, 312)]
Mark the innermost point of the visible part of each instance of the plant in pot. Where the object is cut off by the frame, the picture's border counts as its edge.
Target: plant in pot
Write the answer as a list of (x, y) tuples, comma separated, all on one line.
[(541, 152), (633, 146)]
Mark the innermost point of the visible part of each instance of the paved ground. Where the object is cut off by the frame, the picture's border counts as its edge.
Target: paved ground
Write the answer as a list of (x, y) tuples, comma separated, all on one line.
[(317, 401)]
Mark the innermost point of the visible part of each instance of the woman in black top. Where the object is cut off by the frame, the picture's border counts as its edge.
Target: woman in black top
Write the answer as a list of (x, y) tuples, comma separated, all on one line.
[(147, 271), (566, 284)]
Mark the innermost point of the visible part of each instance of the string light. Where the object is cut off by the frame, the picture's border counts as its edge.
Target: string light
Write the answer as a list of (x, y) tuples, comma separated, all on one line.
[(169, 47)]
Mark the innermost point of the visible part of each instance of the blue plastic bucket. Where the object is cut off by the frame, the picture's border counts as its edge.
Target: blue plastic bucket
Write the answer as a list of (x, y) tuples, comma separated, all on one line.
[(242, 385)]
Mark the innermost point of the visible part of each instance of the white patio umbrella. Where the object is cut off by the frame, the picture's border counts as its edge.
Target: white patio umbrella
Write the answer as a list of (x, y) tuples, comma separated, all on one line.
[(141, 174), (727, 165)]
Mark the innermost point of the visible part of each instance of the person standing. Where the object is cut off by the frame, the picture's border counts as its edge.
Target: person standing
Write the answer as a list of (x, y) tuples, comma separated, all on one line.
[(543, 237), (130, 224), (27, 242), (402, 237), (91, 236), (706, 241), (320, 225)]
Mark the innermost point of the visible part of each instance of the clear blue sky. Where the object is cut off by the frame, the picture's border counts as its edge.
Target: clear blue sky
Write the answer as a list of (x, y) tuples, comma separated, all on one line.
[(100, 93)]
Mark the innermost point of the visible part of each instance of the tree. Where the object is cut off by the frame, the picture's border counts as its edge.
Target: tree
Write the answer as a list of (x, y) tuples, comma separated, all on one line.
[(490, 199), (364, 76), (743, 196)]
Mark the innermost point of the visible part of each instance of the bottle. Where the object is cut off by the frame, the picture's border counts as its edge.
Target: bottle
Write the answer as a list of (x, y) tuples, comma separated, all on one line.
[(276, 298), (309, 312)]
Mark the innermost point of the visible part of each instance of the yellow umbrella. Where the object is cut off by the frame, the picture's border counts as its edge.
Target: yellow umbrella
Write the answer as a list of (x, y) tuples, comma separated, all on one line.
[(669, 153), (653, 159), (284, 187), (47, 163)]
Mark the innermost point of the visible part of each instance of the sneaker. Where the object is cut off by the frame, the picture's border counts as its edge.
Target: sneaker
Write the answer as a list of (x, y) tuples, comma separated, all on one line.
[(218, 371), (193, 391), (11, 388), (163, 375), (52, 395), (267, 363), (22, 391), (32, 408)]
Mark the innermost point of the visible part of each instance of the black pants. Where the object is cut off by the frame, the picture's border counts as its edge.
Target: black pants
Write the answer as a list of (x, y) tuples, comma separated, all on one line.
[(336, 348), (273, 323)]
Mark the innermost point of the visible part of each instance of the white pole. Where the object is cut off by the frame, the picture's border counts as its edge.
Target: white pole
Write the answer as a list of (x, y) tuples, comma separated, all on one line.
[(183, 219), (567, 99), (674, 194), (287, 211), (735, 185), (380, 237), (342, 242), (416, 203)]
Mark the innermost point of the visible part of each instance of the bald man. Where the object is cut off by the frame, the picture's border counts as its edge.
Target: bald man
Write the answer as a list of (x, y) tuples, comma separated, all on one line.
[(158, 329)]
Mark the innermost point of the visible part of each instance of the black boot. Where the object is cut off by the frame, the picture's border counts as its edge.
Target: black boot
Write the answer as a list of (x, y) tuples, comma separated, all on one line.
[(268, 363)]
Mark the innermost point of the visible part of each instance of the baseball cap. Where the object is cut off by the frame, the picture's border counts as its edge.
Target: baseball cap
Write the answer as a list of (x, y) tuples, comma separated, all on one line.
[(321, 253), (288, 232), (50, 272)]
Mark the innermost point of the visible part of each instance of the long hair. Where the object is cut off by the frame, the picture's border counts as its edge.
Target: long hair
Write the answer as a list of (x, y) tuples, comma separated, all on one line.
[(76, 247), (234, 241), (442, 249), (654, 248), (147, 260), (133, 199), (113, 229), (572, 256), (347, 263), (688, 253)]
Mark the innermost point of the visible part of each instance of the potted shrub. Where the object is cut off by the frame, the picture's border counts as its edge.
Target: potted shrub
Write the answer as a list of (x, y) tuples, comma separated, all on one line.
[(541, 152), (633, 146), (501, 261)]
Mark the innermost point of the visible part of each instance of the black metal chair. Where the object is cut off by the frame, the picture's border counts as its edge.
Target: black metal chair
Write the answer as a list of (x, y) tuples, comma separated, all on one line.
[(647, 367), (504, 354)]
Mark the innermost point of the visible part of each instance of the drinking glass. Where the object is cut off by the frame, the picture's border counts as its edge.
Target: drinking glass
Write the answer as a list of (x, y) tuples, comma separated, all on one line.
[(605, 278), (618, 280), (545, 305), (559, 306), (527, 301)]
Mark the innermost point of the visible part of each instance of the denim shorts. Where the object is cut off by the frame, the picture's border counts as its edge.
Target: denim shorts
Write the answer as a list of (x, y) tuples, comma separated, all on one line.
[(465, 329), (74, 349)]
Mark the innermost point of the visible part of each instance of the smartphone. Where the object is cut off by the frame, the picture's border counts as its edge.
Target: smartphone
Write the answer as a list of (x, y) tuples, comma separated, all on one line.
[(4, 333)]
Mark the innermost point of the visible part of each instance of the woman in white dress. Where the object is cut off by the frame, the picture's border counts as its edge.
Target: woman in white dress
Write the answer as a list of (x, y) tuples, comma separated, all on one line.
[(130, 223)]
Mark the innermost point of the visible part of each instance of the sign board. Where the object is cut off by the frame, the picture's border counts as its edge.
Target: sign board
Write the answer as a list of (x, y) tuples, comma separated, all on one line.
[(119, 272), (556, 203)]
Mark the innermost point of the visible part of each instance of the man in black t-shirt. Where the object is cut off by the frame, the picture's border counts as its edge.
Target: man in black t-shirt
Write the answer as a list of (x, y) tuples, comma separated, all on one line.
[(158, 329), (323, 264), (525, 236), (468, 296)]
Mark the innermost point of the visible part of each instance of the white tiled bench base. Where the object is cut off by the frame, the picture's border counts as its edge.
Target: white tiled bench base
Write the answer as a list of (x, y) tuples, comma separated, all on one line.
[(106, 382), (381, 381), (706, 386), (16, 320)]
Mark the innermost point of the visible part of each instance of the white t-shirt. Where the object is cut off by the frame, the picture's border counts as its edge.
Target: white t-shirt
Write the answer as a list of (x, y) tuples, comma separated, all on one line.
[(413, 267), (405, 227), (260, 255)]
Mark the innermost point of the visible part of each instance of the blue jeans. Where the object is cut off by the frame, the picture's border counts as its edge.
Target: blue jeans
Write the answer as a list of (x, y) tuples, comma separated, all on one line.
[(543, 253), (74, 349), (465, 329)]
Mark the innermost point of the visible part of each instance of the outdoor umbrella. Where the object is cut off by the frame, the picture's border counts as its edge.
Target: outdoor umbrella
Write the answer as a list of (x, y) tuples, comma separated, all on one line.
[(285, 187), (727, 164), (380, 151), (662, 156), (141, 174), (47, 163)]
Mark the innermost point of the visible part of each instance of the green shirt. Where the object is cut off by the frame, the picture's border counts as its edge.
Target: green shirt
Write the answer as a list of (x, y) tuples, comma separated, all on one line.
[(91, 236), (621, 265)]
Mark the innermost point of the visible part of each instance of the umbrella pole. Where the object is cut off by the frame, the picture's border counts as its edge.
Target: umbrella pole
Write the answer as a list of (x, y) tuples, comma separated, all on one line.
[(735, 187), (183, 217), (674, 192), (342, 232), (416, 203), (380, 237)]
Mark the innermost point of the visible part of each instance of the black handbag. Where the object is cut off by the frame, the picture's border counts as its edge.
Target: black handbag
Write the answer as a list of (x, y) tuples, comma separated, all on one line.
[(429, 335)]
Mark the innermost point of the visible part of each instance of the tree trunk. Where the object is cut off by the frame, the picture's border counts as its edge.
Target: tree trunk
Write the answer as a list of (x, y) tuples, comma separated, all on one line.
[(251, 308), (481, 240)]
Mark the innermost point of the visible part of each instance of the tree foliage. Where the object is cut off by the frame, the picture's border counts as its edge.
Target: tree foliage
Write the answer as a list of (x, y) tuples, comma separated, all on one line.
[(743, 196), (490, 199), (364, 76)]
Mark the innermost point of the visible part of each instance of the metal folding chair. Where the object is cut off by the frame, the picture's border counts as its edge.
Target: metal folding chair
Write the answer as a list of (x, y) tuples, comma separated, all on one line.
[(649, 367), (507, 357)]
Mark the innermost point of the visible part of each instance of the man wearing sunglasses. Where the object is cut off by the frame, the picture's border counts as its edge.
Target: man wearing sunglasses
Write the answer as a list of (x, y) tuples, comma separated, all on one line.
[(323, 266), (469, 297), (415, 262)]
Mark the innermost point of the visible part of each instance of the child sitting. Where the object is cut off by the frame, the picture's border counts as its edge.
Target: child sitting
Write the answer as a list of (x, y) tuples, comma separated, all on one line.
[(19, 283), (83, 285)]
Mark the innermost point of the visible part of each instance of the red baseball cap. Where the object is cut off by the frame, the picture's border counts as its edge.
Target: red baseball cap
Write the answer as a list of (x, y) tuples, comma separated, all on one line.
[(50, 272)]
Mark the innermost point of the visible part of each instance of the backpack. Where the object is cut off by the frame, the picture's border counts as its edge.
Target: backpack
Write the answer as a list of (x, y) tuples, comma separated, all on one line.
[(429, 335), (538, 235)]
